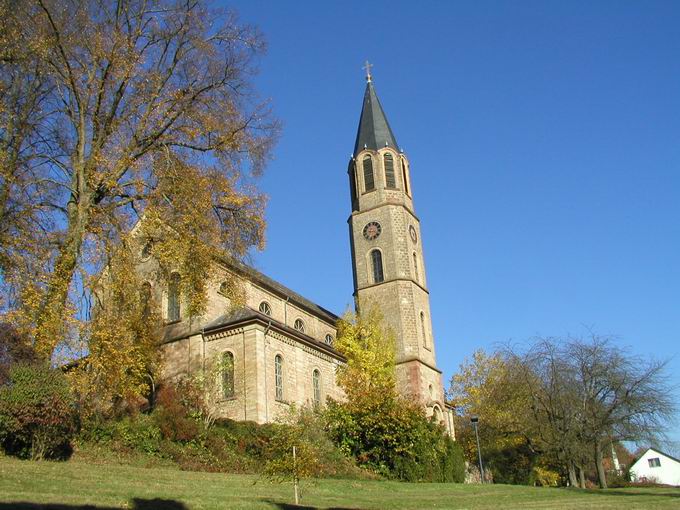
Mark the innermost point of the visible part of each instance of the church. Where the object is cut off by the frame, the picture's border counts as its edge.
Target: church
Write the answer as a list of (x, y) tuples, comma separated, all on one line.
[(279, 347)]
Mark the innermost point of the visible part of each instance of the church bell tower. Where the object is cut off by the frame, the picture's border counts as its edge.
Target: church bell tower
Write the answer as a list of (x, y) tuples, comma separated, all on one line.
[(387, 253)]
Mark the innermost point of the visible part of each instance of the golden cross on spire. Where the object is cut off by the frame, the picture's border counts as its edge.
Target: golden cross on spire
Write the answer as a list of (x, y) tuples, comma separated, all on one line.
[(368, 66)]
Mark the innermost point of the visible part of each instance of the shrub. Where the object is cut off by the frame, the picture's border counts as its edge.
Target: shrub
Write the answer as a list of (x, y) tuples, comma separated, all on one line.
[(317, 456), (393, 438), (545, 477), (140, 433), (37, 418), (175, 416)]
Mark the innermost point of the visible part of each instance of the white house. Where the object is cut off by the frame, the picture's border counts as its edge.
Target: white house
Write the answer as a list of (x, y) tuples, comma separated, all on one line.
[(656, 466)]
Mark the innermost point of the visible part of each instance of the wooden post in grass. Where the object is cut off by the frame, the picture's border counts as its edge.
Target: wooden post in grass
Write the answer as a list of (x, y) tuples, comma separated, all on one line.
[(295, 477)]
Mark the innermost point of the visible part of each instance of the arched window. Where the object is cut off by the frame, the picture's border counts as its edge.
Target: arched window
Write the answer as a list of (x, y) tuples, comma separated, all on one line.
[(423, 330), (415, 266), (430, 390), (145, 299), (437, 414), (299, 325), (224, 288), (173, 297), (146, 250), (352, 181), (278, 376), (316, 386), (390, 181), (329, 339), (265, 308), (369, 182), (377, 265), (403, 175), (227, 375)]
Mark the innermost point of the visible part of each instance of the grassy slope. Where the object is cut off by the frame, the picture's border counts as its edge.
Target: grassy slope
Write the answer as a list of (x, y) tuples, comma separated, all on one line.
[(72, 485)]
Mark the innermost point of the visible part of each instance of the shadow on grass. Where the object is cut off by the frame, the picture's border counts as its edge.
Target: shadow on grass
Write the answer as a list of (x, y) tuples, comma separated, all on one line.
[(290, 506), (137, 504), (631, 493)]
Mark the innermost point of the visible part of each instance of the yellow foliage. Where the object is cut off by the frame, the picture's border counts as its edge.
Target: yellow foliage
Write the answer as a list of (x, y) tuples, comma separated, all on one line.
[(120, 342), (370, 351), (488, 387)]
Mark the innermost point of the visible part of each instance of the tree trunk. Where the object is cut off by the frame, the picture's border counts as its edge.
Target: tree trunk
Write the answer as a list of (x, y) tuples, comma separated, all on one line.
[(601, 477), (572, 475), (581, 477), (51, 316)]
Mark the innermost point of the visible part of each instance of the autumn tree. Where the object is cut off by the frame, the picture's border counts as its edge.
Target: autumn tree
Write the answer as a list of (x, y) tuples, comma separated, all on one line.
[(24, 217), (116, 111), (489, 386), (382, 430), (370, 351)]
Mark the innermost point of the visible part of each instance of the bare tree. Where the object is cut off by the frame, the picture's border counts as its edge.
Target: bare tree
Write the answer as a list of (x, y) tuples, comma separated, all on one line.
[(141, 107), (623, 397), (589, 393)]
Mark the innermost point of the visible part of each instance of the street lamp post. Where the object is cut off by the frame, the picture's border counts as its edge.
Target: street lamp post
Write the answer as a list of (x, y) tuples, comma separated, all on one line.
[(474, 420)]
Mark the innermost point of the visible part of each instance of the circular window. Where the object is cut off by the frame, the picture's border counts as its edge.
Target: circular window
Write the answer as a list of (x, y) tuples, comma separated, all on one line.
[(299, 325), (224, 288), (265, 308), (329, 339), (372, 230)]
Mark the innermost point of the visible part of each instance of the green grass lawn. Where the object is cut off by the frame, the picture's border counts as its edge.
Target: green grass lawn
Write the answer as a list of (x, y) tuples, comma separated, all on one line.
[(26, 485)]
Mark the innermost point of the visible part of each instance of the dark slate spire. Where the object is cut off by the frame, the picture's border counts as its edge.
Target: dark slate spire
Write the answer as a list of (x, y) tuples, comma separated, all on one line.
[(374, 130)]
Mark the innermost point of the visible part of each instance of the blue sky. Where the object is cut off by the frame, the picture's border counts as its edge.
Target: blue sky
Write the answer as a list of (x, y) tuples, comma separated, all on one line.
[(544, 141)]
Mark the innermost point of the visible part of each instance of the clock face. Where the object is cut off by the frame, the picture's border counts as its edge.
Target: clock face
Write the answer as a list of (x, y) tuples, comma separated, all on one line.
[(412, 231), (372, 230)]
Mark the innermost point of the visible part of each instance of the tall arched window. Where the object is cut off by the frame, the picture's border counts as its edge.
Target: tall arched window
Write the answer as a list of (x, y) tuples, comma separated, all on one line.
[(352, 181), (390, 180), (377, 265), (403, 175), (369, 182), (437, 414), (423, 329), (316, 385), (173, 297), (227, 375), (145, 299), (415, 266), (278, 376)]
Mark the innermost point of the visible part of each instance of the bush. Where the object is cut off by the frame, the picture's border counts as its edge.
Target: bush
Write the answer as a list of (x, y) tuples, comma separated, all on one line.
[(317, 456), (140, 433), (37, 418), (175, 416), (545, 477), (393, 438)]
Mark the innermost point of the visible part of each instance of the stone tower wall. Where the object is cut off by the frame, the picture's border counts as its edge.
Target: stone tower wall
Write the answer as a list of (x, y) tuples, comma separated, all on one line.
[(402, 296)]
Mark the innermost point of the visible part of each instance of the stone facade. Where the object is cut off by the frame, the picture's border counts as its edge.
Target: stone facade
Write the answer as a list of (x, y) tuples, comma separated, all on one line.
[(254, 338)]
